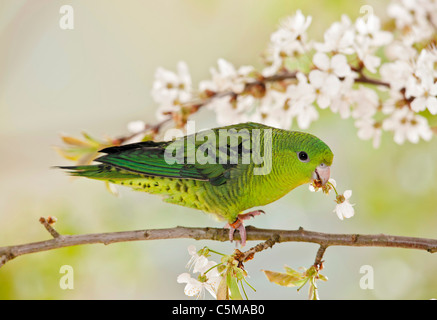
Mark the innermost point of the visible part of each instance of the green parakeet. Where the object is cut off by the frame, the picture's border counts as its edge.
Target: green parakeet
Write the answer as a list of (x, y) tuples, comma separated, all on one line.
[(222, 171)]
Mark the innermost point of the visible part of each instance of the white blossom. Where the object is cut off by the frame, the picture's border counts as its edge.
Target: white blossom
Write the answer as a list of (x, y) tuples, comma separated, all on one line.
[(348, 52), (325, 79), (396, 100), (403, 12), (208, 279), (287, 41), (336, 66), (370, 61), (197, 262), (291, 34), (424, 94), (366, 102), (196, 287), (233, 111), (369, 31), (169, 86), (345, 99), (170, 89), (193, 287), (226, 78), (414, 18), (273, 59), (312, 188), (339, 37), (273, 110), (300, 102), (326, 86), (407, 125), (368, 129), (421, 84), (396, 73), (344, 209), (136, 126), (305, 114), (369, 37), (425, 63), (399, 50)]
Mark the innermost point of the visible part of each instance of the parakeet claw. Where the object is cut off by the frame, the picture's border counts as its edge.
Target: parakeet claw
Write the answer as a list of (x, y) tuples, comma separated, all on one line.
[(249, 215), (238, 225)]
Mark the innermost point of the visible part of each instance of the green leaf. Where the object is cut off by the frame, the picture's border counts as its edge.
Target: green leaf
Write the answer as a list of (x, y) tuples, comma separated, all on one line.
[(233, 287), (313, 293), (293, 272), (294, 279), (322, 277), (223, 290)]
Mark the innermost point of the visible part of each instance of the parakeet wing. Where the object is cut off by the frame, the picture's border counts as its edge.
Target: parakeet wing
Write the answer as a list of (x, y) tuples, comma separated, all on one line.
[(152, 159)]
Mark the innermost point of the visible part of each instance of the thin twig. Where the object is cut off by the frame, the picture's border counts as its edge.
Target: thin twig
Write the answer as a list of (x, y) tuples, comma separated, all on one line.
[(376, 82), (47, 224), (220, 234), (318, 263), (249, 254), (154, 129)]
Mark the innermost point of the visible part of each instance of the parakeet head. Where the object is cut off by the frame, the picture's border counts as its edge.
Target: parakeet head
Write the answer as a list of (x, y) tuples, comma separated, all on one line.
[(312, 157)]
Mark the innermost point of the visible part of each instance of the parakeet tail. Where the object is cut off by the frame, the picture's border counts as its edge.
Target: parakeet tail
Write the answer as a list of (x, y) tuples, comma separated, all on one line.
[(99, 172)]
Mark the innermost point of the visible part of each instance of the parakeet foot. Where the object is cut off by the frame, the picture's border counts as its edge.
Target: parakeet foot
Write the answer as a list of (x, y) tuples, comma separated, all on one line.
[(238, 225), (249, 215)]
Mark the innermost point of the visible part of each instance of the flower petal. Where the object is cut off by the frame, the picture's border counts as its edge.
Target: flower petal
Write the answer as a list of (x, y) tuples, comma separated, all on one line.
[(321, 61), (183, 278)]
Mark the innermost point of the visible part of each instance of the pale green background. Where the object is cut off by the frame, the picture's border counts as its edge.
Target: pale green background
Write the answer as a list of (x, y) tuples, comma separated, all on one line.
[(98, 77)]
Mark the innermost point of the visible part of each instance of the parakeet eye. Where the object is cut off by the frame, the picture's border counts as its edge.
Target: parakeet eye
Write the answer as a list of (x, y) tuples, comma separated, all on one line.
[(303, 156)]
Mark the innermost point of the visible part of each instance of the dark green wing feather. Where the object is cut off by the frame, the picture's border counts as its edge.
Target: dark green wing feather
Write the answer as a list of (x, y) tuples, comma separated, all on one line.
[(151, 158), (202, 156), (147, 159)]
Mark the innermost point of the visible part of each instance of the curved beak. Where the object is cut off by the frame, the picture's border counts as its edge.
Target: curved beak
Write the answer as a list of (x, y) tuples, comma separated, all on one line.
[(322, 174)]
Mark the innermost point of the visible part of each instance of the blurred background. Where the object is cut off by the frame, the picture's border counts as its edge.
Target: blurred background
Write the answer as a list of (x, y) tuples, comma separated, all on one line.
[(97, 78)]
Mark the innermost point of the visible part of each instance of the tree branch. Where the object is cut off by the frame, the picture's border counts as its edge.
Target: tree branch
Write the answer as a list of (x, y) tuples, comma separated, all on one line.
[(47, 223), (318, 263), (249, 254), (218, 234), (376, 82)]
